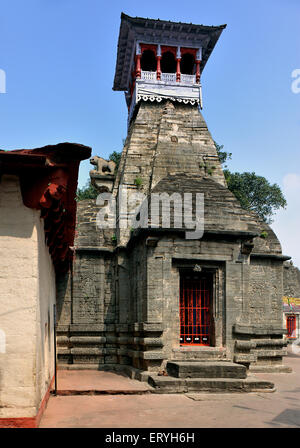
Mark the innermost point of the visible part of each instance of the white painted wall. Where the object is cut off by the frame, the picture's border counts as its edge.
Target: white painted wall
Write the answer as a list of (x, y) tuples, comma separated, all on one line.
[(27, 294)]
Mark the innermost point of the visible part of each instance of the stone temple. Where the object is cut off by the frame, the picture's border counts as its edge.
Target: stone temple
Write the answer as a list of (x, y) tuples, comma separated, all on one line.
[(184, 309)]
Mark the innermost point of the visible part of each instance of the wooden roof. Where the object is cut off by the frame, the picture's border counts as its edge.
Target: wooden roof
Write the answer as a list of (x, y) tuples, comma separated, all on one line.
[(48, 179)]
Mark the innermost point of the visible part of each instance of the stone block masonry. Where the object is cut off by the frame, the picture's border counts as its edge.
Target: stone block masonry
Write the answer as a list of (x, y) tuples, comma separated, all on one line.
[(119, 307)]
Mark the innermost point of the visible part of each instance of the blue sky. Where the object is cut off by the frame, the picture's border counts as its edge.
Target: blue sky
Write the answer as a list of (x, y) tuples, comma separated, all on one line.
[(59, 58)]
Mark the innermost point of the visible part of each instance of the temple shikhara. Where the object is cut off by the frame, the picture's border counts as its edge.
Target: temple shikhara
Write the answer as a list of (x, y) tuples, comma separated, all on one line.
[(147, 300), (184, 314)]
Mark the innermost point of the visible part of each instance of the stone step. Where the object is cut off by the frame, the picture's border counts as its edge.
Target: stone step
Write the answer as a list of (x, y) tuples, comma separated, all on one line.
[(79, 366), (171, 385), (186, 353), (206, 369), (276, 368)]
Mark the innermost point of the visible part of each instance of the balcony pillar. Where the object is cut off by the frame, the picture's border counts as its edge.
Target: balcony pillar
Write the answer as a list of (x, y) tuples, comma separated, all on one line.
[(138, 66), (138, 53), (158, 69), (198, 62), (198, 72), (178, 70), (178, 59), (158, 58)]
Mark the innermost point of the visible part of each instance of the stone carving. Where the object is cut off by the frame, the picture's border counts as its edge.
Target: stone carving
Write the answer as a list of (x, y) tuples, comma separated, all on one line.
[(104, 167), (88, 287), (103, 176), (197, 268)]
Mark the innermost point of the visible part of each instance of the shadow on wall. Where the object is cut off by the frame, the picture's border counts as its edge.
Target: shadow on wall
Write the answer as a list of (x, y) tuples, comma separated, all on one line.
[(17, 220), (15, 231), (63, 291)]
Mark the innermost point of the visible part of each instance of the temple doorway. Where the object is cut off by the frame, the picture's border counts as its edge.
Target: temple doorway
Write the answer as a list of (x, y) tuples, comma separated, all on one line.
[(196, 293)]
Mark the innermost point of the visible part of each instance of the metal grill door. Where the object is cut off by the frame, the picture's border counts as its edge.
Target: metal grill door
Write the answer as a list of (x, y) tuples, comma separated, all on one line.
[(291, 326), (195, 312)]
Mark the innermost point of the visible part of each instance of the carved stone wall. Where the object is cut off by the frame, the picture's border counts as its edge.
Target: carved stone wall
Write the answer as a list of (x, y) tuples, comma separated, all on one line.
[(291, 280), (119, 306)]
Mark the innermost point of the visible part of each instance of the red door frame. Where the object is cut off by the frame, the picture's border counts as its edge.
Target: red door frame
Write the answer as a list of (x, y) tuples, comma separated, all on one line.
[(291, 326), (195, 308)]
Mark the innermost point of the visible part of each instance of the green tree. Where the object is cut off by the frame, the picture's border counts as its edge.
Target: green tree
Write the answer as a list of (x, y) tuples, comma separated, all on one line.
[(223, 155), (256, 193), (253, 192), (87, 192), (116, 157)]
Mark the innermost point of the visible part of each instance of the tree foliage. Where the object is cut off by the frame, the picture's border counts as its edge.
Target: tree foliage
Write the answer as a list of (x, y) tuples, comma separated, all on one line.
[(87, 192), (116, 157), (223, 155), (256, 193), (253, 192)]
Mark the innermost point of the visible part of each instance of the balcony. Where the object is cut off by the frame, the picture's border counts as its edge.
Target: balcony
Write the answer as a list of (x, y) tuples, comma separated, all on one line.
[(148, 76), (168, 78), (148, 88)]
